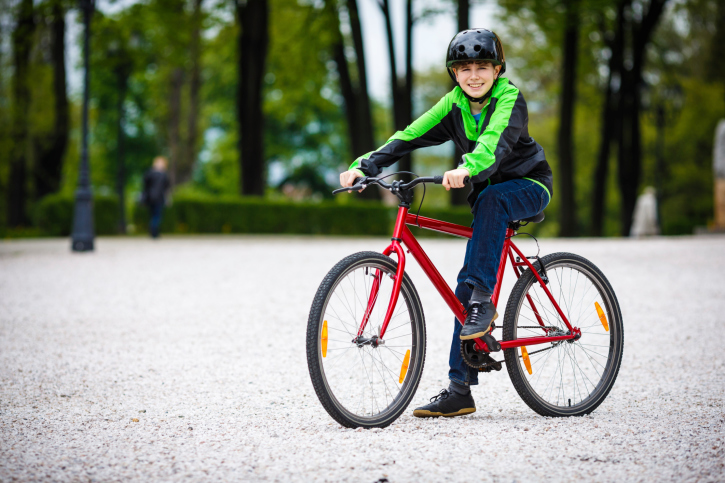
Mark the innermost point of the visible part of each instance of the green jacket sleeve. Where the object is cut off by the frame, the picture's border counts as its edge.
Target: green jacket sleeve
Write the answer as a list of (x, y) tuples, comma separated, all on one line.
[(427, 130)]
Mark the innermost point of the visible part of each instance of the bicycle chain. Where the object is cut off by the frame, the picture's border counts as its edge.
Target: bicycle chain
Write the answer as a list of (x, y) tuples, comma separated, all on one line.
[(491, 365)]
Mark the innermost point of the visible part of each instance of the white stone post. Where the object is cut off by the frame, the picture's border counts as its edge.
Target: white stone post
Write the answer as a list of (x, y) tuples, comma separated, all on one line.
[(645, 215)]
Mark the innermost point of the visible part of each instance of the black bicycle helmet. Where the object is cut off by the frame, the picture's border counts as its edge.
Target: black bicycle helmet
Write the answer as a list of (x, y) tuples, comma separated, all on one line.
[(472, 45)]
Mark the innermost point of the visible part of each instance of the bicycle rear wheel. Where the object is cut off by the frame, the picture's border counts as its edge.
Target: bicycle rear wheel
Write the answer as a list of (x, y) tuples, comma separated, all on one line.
[(573, 377), (361, 381)]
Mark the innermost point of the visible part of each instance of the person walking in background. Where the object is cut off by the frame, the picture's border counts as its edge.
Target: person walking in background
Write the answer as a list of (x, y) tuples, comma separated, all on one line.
[(155, 192)]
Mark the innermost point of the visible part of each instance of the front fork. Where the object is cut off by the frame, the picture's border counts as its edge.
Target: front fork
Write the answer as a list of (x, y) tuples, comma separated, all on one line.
[(397, 281)]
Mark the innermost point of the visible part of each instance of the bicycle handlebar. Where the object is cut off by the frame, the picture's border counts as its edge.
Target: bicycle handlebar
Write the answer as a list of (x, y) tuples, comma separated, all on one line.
[(361, 183)]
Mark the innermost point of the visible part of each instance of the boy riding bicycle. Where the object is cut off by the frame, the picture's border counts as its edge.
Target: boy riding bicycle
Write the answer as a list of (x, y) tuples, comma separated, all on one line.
[(486, 116)]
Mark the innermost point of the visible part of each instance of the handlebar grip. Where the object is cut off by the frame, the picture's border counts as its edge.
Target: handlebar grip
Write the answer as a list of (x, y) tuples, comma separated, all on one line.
[(354, 186), (437, 179), (466, 180)]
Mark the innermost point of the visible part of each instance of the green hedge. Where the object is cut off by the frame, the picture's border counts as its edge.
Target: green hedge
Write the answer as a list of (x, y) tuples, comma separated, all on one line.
[(256, 215), (54, 214)]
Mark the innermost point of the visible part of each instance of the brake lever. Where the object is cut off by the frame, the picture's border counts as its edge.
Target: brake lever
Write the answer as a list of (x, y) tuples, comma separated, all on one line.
[(354, 187), (358, 187)]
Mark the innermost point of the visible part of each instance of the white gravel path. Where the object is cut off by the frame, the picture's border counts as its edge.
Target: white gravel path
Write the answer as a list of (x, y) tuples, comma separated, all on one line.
[(185, 359)]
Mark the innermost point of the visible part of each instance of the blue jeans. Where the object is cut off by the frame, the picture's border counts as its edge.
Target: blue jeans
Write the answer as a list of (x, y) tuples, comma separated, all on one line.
[(495, 207), (157, 210)]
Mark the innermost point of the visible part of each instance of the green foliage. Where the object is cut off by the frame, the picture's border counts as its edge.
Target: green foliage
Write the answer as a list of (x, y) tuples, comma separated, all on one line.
[(304, 123), (218, 169), (119, 66), (689, 179), (301, 100), (195, 213), (54, 214), (307, 181), (682, 52), (306, 136), (204, 214)]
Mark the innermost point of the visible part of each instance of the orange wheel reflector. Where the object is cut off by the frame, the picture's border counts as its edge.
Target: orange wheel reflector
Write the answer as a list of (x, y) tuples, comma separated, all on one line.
[(323, 339), (404, 368), (525, 357), (602, 316)]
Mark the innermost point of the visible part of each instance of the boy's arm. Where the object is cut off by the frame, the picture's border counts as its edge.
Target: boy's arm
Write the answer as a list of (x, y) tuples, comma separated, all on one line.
[(498, 139), (427, 130)]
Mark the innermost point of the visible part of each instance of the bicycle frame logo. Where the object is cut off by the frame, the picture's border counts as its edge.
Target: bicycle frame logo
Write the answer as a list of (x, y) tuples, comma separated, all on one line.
[(401, 234)]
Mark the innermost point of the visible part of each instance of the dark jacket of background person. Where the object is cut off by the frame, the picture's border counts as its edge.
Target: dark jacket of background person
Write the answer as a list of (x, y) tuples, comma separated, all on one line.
[(155, 186)]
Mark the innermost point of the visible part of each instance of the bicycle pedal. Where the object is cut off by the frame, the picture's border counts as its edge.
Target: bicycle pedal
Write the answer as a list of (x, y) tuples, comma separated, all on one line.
[(490, 364), (493, 345)]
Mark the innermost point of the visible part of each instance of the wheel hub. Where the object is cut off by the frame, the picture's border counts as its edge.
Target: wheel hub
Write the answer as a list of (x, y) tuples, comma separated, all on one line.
[(373, 341)]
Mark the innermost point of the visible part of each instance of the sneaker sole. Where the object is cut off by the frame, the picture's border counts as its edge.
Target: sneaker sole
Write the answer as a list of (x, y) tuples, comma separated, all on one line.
[(422, 413), (479, 334)]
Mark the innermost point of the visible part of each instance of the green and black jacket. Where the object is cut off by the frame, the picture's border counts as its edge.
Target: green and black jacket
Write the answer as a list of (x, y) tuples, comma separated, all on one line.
[(497, 150)]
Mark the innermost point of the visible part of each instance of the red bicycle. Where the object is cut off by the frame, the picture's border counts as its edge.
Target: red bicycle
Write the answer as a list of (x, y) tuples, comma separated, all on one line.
[(562, 333)]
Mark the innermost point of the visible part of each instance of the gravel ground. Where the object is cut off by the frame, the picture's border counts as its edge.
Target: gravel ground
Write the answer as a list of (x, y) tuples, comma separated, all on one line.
[(185, 358)]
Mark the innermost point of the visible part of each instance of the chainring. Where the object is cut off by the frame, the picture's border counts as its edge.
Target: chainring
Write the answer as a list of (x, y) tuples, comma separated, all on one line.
[(477, 359)]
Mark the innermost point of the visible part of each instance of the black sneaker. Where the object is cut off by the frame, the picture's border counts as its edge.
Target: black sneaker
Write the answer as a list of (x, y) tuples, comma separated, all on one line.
[(478, 321), (448, 404)]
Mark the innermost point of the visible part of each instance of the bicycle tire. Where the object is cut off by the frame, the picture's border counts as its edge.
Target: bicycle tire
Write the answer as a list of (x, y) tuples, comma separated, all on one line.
[(334, 390), (599, 350)]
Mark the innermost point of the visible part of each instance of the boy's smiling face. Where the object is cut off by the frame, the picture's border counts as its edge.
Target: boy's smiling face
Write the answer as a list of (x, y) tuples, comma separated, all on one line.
[(476, 78)]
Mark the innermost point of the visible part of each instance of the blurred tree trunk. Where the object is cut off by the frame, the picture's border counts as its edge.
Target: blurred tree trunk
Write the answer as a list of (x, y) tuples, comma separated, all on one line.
[(715, 71), (365, 141), (458, 196), (4, 135), (50, 151), (630, 149), (362, 141), (406, 114), (568, 221), (22, 40), (400, 89), (609, 117), (621, 112), (252, 17), (176, 83), (194, 87), (122, 79)]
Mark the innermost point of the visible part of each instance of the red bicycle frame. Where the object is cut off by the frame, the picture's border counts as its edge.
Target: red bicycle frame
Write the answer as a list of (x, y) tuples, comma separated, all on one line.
[(401, 234)]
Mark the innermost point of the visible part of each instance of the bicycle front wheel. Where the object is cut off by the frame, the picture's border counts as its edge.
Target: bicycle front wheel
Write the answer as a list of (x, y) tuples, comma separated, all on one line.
[(571, 377), (362, 381)]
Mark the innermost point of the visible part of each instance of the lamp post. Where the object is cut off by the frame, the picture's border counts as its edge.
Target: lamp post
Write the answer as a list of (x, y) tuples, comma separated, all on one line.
[(83, 231)]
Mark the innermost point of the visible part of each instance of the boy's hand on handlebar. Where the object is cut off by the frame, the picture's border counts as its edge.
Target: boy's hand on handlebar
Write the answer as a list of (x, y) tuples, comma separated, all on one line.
[(348, 178), (455, 178)]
